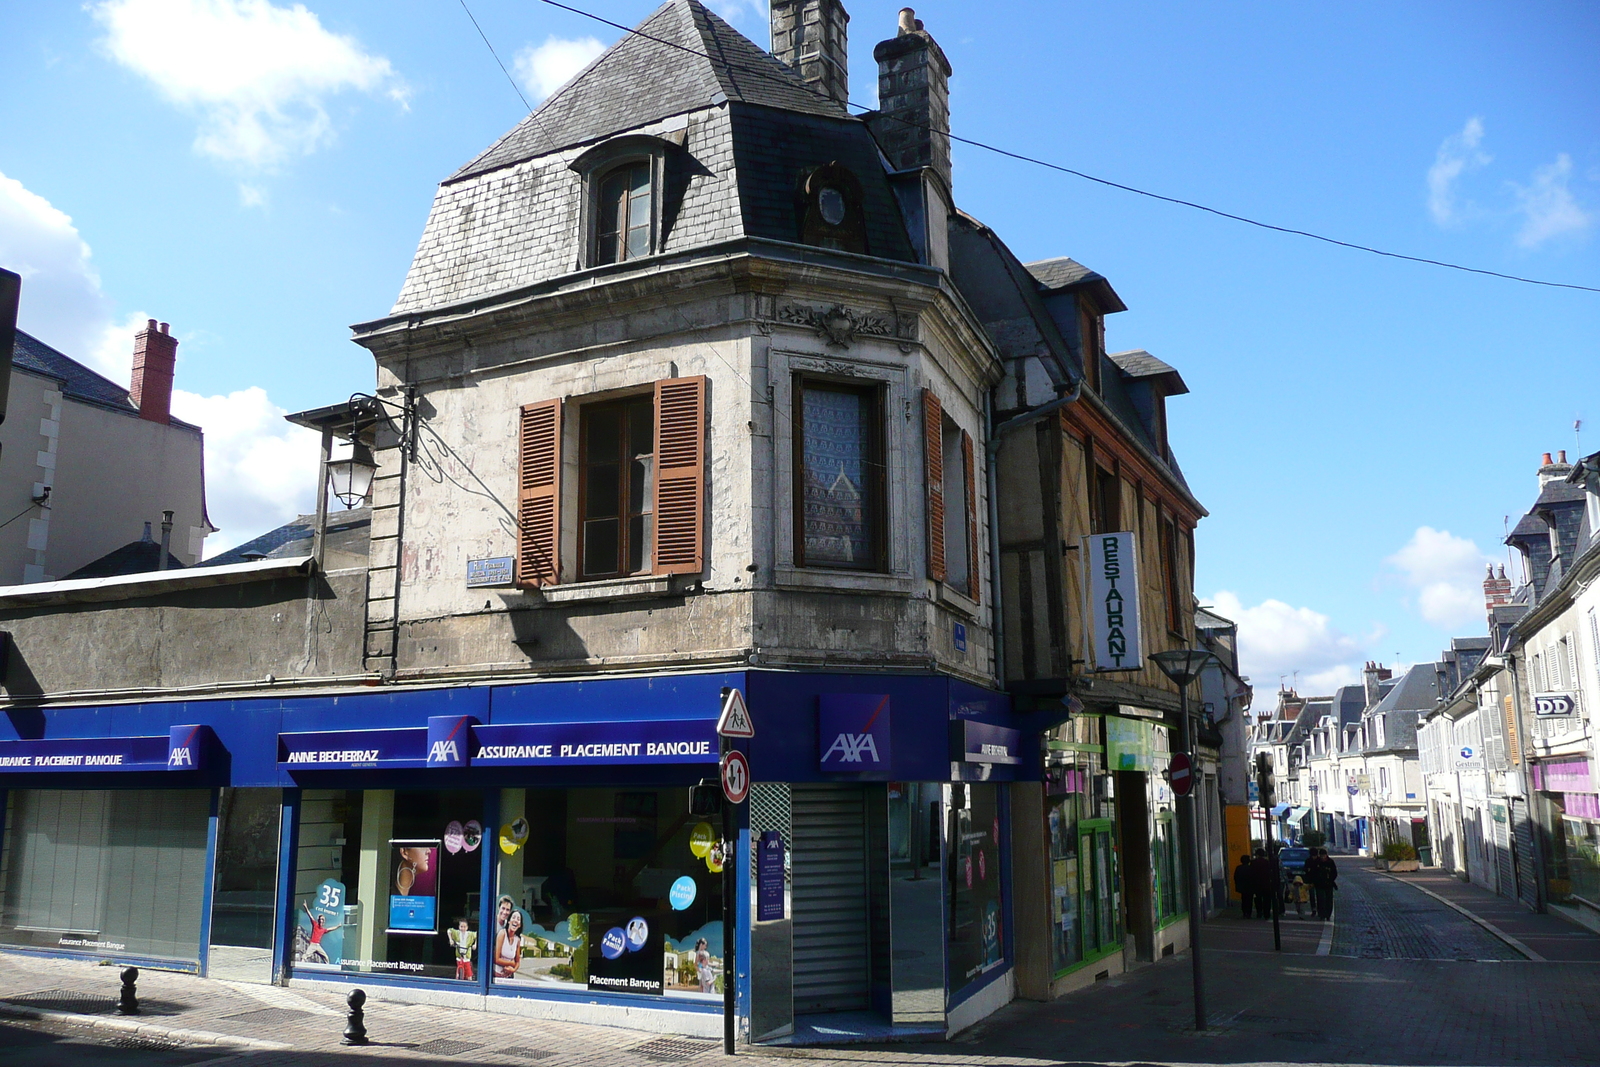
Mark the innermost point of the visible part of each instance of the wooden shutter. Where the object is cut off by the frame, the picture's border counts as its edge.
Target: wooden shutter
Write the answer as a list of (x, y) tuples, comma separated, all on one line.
[(680, 496), (969, 479), (933, 466), (539, 495)]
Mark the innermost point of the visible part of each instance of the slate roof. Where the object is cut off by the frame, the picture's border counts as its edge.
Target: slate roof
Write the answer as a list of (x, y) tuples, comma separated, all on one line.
[(687, 56), (1061, 274), (135, 557), (77, 381), (1348, 703), (346, 529), (1206, 619), (1137, 363)]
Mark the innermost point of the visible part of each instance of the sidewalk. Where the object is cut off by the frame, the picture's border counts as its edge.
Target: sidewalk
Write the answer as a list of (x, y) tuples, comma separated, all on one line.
[(1550, 937)]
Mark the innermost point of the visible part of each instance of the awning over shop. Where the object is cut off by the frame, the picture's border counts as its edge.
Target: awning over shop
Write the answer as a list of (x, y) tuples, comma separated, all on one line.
[(183, 748), (1296, 814), (1280, 811)]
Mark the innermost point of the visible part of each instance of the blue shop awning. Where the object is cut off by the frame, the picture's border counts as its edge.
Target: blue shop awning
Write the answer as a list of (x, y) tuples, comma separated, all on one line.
[(1296, 814), (1280, 810)]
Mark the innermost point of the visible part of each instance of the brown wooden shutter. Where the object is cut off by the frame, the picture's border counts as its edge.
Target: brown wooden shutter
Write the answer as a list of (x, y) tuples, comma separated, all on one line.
[(933, 465), (969, 476), (680, 497), (539, 495)]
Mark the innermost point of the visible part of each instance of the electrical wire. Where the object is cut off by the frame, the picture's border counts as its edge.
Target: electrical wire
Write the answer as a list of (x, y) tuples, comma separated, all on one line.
[(1021, 157), (515, 87), (18, 515)]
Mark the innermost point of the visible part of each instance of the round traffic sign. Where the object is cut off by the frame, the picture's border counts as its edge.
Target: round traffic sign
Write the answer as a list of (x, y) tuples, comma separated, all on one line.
[(1179, 774), (735, 777)]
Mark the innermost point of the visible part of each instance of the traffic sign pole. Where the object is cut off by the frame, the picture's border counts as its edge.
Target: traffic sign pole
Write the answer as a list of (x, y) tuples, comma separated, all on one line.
[(732, 707)]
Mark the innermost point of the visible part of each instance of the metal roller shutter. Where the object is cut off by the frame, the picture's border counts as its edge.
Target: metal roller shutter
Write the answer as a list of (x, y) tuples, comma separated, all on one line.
[(830, 898)]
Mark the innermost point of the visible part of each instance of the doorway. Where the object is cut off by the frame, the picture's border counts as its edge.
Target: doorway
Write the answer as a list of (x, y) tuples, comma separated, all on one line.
[(1133, 832)]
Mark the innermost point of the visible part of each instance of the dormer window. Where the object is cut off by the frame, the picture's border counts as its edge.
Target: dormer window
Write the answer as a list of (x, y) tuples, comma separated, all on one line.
[(623, 180), (829, 209), (622, 228)]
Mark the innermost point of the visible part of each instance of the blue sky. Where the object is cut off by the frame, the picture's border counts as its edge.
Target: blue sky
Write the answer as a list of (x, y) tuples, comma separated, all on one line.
[(257, 174)]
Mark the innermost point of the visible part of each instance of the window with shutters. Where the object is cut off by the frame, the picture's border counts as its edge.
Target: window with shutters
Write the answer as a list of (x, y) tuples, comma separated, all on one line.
[(639, 503), (839, 475), (1171, 576), (951, 472)]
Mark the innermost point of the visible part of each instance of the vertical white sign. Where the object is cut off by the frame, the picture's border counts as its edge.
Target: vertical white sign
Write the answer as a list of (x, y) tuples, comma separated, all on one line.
[(1113, 581)]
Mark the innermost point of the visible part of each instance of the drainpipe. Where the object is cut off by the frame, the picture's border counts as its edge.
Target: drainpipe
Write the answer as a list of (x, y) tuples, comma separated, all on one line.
[(1536, 827), (991, 450)]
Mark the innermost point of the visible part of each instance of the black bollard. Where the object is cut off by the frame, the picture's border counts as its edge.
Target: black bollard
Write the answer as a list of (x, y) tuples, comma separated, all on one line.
[(129, 1004), (355, 1030)]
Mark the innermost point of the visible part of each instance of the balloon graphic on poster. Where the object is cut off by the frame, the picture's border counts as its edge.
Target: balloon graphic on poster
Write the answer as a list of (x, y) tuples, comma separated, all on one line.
[(638, 933), (513, 835), (472, 835), (714, 858), (614, 943), (682, 893), (454, 838), (701, 839)]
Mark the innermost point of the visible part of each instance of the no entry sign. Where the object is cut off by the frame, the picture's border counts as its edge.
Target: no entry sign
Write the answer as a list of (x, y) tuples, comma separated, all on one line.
[(735, 777), (1179, 774)]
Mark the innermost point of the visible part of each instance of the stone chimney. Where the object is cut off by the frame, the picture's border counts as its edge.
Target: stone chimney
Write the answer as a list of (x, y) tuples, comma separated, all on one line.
[(810, 37), (1496, 590), (912, 124), (1553, 470), (1371, 675), (155, 354)]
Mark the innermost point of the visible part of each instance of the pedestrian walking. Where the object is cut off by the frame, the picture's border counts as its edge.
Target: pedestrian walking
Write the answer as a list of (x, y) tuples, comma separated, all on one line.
[(1300, 893), (1324, 877), (1244, 886), (1264, 879)]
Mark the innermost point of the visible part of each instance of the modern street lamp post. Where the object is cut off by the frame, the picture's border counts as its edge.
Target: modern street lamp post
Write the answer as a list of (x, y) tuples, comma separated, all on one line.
[(1183, 666)]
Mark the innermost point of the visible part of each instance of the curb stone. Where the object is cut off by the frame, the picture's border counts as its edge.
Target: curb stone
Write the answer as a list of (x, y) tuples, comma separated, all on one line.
[(130, 1026), (1485, 923)]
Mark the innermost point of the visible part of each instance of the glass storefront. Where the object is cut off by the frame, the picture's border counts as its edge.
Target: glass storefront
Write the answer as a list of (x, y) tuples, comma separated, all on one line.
[(1574, 860), (1166, 862), (976, 935), (101, 871), (608, 890), (243, 904), (1085, 910)]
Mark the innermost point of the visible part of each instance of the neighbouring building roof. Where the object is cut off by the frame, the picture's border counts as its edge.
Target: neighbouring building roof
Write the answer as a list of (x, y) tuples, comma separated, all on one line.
[(135, 557), (347, 536), (77, 381), (688, 57), (1137, 363), (1061, 274)]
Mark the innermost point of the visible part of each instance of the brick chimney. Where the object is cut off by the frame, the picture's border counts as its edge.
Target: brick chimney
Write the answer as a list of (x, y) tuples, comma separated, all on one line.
[(1553, 470), (155, 354), (1496, 590), (810, 37), (1371, 675), (912, 124)]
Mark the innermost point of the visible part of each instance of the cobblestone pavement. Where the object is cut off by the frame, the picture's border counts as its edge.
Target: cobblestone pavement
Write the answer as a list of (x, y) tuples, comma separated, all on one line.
[(1382, 918), (1265, 1007)]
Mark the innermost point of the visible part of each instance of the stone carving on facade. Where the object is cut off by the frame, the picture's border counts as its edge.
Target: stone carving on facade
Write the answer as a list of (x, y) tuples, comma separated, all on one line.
[(839, 326)]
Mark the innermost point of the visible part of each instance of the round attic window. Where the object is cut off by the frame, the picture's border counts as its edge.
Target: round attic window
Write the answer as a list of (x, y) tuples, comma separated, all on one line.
[(830, 202)]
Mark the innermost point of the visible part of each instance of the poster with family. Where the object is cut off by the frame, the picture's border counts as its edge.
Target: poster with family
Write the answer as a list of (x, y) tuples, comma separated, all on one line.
[(528, 953)]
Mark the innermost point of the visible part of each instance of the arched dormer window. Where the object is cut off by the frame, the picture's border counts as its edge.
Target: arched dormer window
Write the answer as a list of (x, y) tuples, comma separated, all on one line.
[(830, 209), (623, 180)]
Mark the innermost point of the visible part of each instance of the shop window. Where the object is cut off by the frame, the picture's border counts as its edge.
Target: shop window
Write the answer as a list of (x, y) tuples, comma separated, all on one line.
[(1084, 905), (389, 882), (608, 890), (976, 934), (839, 475), (112, 873), (640, 498), (246, 884)]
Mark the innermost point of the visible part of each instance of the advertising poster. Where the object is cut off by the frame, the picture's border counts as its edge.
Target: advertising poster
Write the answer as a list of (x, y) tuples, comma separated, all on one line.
[(625, 952), (414, 887), (692, 965), (769, 877), (526, 953), (319, 928)]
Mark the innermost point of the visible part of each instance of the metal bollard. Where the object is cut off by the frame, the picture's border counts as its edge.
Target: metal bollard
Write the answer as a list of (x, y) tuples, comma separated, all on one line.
[(129, 1005), (355, 1030)]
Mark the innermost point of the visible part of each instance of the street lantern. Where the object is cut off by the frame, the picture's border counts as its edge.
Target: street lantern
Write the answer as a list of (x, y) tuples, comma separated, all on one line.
[(350, 478), (1183, 666)]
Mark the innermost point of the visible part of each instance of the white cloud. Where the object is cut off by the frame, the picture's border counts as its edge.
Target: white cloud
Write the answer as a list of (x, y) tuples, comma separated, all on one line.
[(1446, 573), (260, 470), (1459, 153), (1548, 206), (735, 10), (1277, 640), (544, 68), (257, 75)]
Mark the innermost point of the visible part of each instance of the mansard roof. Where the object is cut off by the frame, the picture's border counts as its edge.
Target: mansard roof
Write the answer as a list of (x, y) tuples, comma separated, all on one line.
[(682, 58)]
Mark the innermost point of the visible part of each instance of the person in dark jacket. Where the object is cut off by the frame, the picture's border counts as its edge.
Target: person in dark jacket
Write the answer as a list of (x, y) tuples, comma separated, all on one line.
[(1323, 874), (1246, 888), (1264, 878)]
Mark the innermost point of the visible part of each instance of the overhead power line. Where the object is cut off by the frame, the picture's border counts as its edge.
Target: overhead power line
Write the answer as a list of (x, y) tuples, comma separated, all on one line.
[(514, 86), (1024, 158)]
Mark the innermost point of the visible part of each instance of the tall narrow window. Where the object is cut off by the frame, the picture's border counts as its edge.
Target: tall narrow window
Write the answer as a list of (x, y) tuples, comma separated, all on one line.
[(839, 476), (1107, 502), (623, 217), (618, 468), (1170, 572)]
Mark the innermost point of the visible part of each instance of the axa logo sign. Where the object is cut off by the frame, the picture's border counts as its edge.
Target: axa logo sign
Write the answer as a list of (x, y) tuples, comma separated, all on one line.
[(853, 732), (180, 759), (449, 740), (185, 747)]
